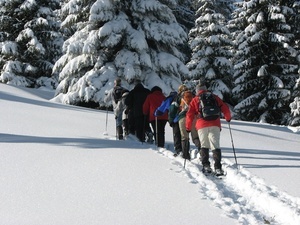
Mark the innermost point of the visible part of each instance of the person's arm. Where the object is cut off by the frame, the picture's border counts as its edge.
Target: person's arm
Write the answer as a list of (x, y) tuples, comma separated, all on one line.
[(224, 108), (190, 115), (108, 97)]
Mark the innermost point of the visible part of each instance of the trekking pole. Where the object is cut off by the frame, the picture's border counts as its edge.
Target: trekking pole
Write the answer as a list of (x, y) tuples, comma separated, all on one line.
[(232, 145), (116, 130), (156, 132), (105, 133)]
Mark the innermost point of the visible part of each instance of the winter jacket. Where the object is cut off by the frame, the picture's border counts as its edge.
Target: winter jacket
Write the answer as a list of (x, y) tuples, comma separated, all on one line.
[(120, 107), (136, 98), (110, 98), (152, 102), (201, 123), (180, 106)]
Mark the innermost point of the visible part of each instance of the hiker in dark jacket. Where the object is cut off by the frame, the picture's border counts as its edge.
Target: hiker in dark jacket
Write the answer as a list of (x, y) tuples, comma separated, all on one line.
[(134, 101), (173, 113), (158, 123)]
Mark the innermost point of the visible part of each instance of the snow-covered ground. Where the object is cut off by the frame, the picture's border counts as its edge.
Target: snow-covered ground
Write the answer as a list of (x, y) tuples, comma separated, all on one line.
[(57, 167)]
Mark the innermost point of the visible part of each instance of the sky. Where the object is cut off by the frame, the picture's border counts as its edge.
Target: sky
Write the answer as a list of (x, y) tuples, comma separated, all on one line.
[(62, 164)]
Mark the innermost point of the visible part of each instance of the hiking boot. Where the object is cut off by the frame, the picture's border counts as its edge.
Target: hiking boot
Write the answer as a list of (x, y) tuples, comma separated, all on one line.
[(219, 172), (206, 169), (149, 138), (204, 156), (120, 132), (177, 153), (186, 149), (217, 156)]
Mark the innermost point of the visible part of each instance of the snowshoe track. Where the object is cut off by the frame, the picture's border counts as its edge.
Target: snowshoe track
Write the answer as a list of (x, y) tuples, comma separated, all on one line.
[(238, 192)]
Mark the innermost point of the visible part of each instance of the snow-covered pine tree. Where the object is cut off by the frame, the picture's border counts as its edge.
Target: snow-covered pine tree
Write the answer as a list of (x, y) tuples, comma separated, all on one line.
[(135, 39), (210, 43), (294, 119), (265, 61), (185, 16), (74, 15), (30, 41)]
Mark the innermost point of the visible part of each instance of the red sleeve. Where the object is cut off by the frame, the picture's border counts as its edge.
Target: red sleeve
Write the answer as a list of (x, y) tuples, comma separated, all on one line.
[(224, 108), (193, 109)]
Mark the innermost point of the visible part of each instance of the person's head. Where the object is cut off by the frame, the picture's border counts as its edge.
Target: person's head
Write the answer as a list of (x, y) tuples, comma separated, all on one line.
[(156, 88), (137, 81), (182, 88), (201, 85), (117, 82)]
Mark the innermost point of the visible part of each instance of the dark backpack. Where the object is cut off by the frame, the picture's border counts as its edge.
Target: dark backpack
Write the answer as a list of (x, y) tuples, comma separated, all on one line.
[(208, 106), (117, 93)]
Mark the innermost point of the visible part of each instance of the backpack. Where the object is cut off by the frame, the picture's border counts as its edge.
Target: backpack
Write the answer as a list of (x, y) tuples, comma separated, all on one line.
[(208, 106), (184, 102), (117, 93), (165, 105)]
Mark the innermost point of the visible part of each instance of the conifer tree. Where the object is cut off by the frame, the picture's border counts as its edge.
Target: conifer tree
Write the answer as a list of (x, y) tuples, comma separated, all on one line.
[(210, 44), (132, 40), (265, 61), (294, 119), (30, 41), (185, 16)]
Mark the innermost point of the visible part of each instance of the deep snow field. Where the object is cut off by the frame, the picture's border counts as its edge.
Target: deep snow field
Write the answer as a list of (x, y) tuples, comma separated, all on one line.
[(58, 167)]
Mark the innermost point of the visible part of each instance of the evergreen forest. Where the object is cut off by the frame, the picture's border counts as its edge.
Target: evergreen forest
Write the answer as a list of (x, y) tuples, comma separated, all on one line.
[(247, 51)]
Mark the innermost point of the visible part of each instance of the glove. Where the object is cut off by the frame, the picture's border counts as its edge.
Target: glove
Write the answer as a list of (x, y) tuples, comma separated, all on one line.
[(171, 124), (228, 120), (188, 131), (126, 111), (116, 117)]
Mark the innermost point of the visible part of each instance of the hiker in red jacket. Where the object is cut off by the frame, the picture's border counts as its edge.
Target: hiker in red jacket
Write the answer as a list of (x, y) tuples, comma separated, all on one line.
[(152, 102), (208, 130)]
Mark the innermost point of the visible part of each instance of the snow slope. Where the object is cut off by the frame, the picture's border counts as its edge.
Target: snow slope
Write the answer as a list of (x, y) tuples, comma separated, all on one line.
[(58, 167)]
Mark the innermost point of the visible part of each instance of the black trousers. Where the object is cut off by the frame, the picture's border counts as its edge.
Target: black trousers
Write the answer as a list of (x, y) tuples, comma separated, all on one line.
[(159, 132), (177, 138)]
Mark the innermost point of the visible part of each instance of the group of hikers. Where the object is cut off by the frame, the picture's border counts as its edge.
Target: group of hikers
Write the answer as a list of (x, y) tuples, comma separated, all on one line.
[(194, 113)]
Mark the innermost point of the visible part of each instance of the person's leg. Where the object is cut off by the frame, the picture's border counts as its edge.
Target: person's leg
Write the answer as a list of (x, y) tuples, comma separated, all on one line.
[(195, 136), (185, 143), (204, 151), (119, 127), (214, 137), (177, 139), (161, 133), (139, 128)]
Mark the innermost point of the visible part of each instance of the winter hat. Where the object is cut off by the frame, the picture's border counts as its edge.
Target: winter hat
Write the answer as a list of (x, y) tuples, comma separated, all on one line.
[(156, 88)]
